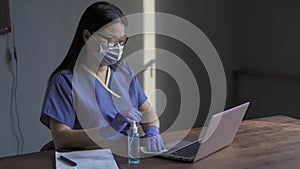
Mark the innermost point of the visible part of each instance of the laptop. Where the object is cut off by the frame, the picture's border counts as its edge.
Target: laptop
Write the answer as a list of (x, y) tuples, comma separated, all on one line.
[(219, 133)]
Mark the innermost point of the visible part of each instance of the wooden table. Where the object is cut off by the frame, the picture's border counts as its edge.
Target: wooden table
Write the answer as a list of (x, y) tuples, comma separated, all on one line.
[(265, 143)]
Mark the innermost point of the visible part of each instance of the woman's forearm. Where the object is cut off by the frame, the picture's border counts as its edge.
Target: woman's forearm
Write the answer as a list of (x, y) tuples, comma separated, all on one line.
[(74, 139), (64, 137), (149, 117)]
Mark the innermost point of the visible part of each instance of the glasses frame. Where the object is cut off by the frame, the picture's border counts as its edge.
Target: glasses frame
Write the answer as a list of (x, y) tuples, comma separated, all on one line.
[(112, 42)]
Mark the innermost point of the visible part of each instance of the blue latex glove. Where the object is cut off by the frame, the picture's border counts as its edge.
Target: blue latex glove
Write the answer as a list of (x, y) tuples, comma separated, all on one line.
[(153, 140), (132, 115), (122, 121)]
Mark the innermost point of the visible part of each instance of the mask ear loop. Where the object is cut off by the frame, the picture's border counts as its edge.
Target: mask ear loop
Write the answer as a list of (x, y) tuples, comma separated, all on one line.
[(96, 40), (96, 50), (102, 48)]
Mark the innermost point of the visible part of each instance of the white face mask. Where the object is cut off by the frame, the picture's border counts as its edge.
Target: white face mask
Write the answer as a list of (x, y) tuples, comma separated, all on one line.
[(108, 55)]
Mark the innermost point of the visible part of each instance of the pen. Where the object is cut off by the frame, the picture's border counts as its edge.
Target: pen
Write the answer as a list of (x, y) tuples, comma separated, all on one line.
[(66, 160)]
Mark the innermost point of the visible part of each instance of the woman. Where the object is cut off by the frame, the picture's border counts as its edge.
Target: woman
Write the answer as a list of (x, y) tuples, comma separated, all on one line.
[(92, 68)]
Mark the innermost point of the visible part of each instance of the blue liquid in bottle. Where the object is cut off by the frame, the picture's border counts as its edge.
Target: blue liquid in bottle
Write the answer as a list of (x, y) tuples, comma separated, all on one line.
[(133, 145)]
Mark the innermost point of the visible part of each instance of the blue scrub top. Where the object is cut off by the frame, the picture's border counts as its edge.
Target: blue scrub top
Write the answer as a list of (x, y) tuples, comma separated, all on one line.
[(58, 100)]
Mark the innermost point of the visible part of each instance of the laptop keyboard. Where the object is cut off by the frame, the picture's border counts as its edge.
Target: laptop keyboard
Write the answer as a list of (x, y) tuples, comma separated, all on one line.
[(188, 151)]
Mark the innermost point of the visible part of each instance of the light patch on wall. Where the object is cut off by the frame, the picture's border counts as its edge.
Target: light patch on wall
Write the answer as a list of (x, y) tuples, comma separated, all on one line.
[(149, 50)]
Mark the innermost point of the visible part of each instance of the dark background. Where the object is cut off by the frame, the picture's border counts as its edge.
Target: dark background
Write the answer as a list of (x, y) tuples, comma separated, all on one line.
[(257, 42)]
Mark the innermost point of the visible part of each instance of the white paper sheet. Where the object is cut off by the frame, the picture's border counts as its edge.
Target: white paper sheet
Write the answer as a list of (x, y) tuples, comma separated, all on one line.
[(88, 159)]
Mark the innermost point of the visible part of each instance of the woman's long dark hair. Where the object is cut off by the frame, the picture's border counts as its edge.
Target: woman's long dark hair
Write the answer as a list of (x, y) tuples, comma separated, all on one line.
[(95, 16)]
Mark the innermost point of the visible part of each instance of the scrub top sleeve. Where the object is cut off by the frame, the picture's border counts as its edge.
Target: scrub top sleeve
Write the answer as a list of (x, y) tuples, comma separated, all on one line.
[(141, 96), (58, 102), (136, 86)]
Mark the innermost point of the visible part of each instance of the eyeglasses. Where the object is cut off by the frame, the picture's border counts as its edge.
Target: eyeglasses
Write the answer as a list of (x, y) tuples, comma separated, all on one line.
[(112, 42)]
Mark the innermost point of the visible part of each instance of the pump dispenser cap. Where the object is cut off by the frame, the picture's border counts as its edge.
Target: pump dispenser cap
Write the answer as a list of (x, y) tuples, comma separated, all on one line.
[(134, 128)]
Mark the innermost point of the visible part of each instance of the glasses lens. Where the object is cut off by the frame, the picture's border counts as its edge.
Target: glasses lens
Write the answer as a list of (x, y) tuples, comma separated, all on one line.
[(123, 41), (113, 42)]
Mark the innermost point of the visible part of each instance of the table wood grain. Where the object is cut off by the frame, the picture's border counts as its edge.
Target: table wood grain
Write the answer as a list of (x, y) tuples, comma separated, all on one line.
[(264, 143)]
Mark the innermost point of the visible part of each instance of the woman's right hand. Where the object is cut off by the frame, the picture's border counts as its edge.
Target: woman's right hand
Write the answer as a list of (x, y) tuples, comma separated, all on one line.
[(131, 115), (124, 118)]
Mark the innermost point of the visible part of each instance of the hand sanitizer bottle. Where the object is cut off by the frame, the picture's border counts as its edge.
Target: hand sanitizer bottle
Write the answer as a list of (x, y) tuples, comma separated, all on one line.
[(133, 145)]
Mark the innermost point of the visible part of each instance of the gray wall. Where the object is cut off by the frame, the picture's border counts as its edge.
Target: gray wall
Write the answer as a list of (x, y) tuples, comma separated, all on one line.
[(43, 32), (269, 36), (248, 35), (216, 19)]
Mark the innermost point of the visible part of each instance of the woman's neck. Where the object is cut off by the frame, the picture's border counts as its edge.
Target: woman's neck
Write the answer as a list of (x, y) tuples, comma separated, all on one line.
[(102, 69)]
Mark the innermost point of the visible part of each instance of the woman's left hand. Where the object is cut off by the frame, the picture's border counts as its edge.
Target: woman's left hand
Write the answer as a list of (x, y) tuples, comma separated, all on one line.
[(152, 140)]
